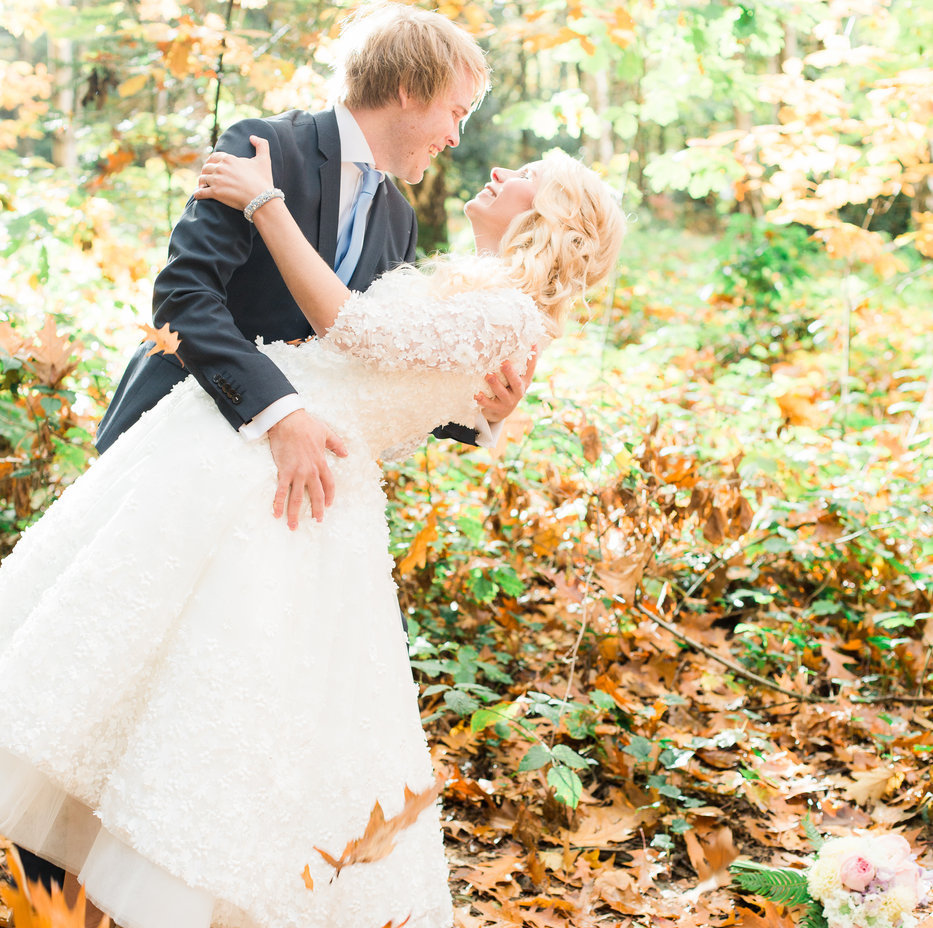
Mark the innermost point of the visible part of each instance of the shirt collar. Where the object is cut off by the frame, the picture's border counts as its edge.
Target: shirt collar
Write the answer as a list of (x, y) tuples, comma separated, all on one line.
[(353, 144)]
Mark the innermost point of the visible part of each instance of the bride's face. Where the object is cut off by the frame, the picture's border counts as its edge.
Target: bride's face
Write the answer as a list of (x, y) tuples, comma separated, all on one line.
[(507, 194)]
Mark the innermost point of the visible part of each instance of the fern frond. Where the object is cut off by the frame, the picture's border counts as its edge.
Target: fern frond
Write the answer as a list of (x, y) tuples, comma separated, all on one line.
[(813, 836), (785, 886), (814, 917)]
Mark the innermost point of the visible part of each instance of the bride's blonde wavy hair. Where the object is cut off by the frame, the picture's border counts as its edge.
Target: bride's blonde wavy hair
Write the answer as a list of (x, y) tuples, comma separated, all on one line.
[(565, 245)]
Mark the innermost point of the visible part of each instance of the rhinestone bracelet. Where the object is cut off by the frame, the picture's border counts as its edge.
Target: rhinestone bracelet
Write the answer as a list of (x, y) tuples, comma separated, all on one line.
[(260, 200)]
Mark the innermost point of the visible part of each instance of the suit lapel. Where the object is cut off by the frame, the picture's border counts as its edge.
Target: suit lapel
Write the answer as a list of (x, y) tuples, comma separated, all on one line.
[(329, 173)]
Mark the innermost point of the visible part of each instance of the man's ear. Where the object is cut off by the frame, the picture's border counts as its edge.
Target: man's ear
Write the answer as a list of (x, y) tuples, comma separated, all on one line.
[(405, 99)]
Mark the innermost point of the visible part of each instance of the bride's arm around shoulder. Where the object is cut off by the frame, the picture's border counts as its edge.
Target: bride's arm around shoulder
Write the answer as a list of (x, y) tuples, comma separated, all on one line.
[(247, 184)]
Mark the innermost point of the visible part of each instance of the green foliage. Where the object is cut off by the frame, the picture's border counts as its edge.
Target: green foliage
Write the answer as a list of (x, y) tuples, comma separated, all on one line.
[(784, 886), (813, 835), (763, 266), (814, 917)]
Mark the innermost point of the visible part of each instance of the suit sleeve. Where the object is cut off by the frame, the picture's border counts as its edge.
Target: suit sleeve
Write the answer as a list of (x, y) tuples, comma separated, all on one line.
[(208, 244)]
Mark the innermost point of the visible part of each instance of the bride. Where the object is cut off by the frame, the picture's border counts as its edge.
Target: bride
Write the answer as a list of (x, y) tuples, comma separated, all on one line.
[(198, 699)]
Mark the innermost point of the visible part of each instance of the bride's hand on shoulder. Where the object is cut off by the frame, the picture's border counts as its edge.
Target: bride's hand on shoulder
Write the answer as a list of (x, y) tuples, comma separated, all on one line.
[(235, 181)]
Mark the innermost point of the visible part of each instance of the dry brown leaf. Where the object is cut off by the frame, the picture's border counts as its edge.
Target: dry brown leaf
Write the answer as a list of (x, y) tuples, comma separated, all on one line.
[(620, 577), (592, 446), (870, 785), (800, 410), (485, 876), (771, 917), (714, 530), (52, 355), (710, 852), (605, 826), (165, 340), (378, 840), (10, 340)]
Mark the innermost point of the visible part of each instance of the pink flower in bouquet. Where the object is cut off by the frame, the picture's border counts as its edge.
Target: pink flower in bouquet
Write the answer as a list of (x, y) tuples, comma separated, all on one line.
[(856, 872)]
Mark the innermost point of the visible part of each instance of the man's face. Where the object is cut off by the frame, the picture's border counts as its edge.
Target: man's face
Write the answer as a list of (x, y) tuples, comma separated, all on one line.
[(426, 129)]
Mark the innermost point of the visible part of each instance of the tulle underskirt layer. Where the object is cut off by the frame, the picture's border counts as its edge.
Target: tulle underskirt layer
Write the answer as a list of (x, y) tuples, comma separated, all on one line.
[(136, 893)]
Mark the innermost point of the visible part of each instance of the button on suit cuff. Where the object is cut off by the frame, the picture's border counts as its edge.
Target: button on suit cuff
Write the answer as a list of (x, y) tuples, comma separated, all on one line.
[(274, 413)]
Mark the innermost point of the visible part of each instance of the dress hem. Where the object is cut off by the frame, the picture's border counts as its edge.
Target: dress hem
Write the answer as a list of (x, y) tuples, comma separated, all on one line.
[(133, 890)]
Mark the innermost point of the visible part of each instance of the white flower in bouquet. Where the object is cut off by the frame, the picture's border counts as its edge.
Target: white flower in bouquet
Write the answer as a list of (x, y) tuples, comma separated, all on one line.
[(871, 881)]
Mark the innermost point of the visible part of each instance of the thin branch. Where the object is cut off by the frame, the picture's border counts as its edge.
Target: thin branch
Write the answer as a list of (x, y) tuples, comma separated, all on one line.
[(769, 684), (575, 650), (215, 129), (725, 661)]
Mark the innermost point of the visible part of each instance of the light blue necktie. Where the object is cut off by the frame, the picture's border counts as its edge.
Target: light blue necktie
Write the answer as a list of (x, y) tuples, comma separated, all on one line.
[(350, 243)]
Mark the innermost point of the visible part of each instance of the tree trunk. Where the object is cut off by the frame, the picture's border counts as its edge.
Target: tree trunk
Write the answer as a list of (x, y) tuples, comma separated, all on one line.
[(62, 67)]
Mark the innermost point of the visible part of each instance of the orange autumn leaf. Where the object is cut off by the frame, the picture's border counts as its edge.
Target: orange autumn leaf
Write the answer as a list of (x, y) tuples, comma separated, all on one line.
[(52, 354), (115, 162), (592, 446), (165, 339), (306, 876), (10, 340), (33, 906), (418, 552), (771, 917), (378, 840)]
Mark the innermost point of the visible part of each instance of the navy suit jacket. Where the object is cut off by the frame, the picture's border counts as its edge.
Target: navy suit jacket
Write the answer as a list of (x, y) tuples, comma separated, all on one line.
[(220, 288)]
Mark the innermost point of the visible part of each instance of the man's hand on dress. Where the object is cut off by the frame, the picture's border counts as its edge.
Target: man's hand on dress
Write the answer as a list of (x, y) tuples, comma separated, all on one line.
[(507, 388), (299, 447)]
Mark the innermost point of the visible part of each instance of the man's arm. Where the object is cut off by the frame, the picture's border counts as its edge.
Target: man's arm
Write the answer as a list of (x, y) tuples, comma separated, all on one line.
[(209, 243)]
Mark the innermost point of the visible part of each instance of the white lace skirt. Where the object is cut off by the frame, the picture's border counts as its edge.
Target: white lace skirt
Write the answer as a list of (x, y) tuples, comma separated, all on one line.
[(196, 698)]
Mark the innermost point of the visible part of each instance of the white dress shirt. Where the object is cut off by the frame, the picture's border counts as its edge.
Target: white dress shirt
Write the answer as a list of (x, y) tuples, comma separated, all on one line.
[(353, 148)]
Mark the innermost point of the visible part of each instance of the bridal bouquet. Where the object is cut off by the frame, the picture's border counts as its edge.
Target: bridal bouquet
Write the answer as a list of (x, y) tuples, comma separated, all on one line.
[(869, 881)]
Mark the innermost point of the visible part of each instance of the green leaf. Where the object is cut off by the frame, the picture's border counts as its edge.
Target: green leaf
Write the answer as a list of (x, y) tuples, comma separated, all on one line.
[(482, 588), (460, 702), (567, 786), (538, 755), (602, 700), (640, 748), (509, 581), (786, 886), (436, 688), (501, 712), (570, 757)]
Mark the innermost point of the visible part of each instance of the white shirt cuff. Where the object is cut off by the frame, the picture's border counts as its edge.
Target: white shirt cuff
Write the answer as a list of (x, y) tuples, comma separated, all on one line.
[(487, 436), (274, 413)]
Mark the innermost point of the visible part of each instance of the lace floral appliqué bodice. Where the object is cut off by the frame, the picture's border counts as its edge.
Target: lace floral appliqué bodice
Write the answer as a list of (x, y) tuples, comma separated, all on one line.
[(398, 362)]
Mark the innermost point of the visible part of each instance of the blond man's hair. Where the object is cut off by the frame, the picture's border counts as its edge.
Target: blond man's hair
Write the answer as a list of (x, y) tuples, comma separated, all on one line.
[(386, 47)]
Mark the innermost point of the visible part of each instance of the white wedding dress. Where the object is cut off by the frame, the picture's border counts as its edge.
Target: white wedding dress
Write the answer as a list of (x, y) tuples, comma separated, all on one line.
[(194, 697)]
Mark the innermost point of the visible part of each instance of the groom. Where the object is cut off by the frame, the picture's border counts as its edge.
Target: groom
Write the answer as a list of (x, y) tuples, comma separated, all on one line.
[(407, 79)]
